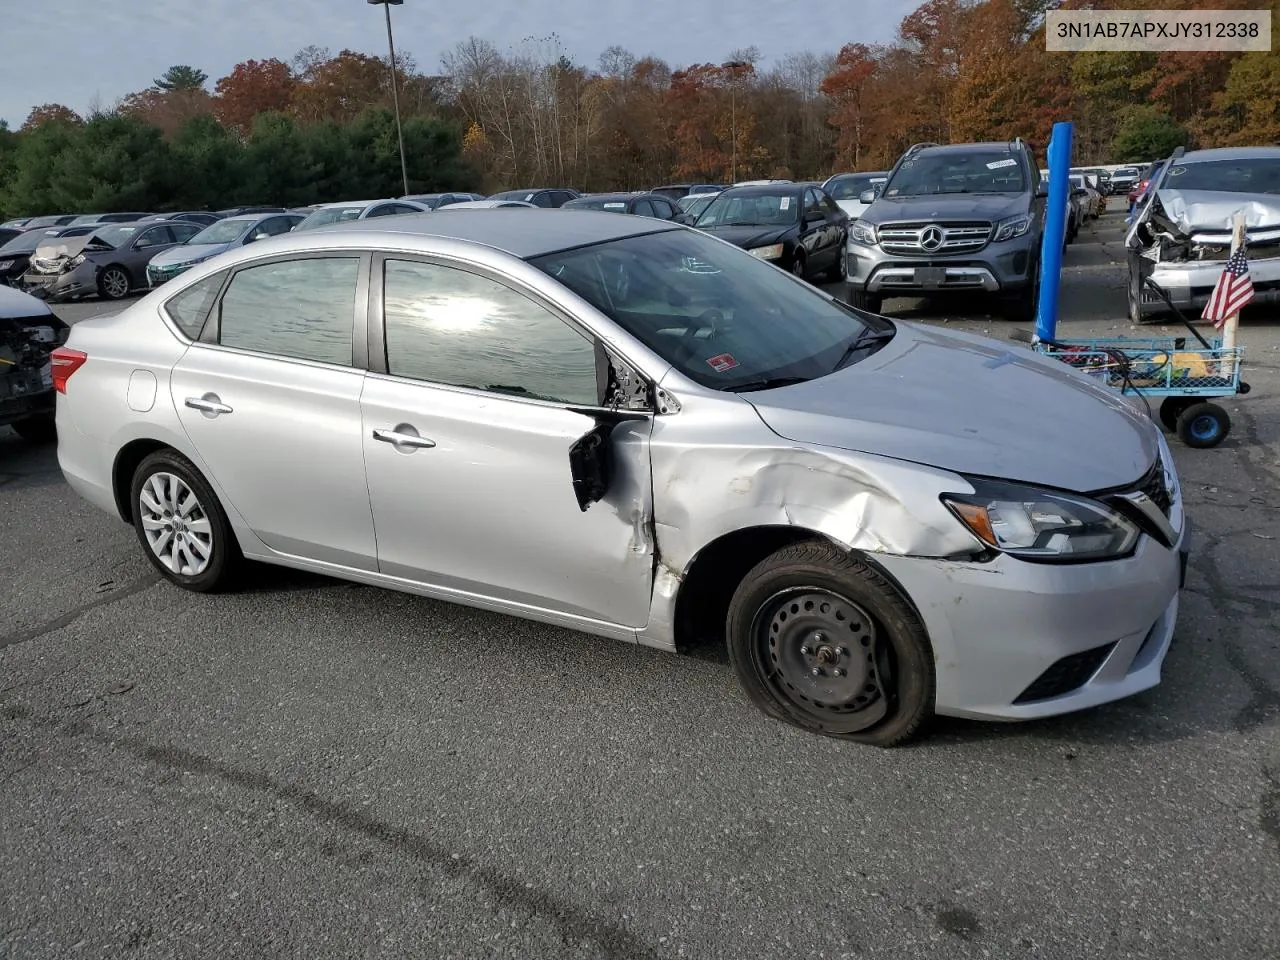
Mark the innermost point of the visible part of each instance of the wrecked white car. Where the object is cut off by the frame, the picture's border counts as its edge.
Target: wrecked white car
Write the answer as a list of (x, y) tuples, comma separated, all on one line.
[(633, 429), (1182, 235)]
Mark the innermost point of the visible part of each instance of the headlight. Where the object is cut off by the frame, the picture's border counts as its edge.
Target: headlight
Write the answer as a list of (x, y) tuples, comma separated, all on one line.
[(1013, 227), (860, 232), (1045, 525), (73, 262), (772, 252), (5, 264)]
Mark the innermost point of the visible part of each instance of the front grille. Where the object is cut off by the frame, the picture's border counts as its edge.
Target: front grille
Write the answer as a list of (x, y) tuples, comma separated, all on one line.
[(1063, 676), (1154, 486), (951, 238)]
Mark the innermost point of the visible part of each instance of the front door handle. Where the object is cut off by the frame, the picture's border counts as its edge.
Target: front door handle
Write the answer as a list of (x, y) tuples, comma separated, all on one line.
[(209, 404), (402, 439)]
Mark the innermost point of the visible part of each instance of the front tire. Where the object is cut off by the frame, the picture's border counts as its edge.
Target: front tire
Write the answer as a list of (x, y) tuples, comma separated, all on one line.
[(824, 642), (858, 297), (798, 265), (1203, 425), (114, 283), (181, 526)]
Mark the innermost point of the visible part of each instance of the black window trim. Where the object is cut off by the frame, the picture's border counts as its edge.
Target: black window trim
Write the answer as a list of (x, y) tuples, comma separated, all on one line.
[(209, 336), (376, 345)]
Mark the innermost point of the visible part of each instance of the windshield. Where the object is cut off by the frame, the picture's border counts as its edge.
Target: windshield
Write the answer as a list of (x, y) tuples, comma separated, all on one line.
[(26, 242), (1125, 172), (1254, 175), (598, 203), (526, 195), (694, 204), (331, 215), (951, 172), (113, 236), (848, 188), (772, 209), (722, 317), (224, 231), (87, 218)]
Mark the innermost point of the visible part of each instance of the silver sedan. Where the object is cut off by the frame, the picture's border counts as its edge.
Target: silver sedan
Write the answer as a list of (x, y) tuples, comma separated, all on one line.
[(633, 429)]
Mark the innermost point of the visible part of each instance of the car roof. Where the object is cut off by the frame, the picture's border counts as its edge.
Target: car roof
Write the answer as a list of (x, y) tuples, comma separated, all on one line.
[(985, 146), (616, 195), (766, 188), (1229, 153), (520, 232)]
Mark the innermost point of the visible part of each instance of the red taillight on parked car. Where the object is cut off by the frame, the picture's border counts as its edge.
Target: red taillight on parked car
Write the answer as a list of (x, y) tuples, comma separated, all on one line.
[(65, 362)]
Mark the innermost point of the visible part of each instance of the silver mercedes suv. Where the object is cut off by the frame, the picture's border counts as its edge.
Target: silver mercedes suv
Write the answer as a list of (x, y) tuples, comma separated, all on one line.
[(950, 219)]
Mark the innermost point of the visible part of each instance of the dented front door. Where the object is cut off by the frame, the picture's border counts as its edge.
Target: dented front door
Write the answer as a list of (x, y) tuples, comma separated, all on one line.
[(473, 492)]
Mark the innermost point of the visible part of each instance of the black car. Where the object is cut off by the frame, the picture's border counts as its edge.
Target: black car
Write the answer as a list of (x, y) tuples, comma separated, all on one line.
[(29, 333), (101, 218), (795, 226), (640, 204), (539, 196), (676, 191), (200, 217), (15, 255)]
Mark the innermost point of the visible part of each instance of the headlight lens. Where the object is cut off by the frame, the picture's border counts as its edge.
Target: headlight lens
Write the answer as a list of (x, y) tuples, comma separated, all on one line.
[(74, 262), (864, 233), (1046, 525), (5, 264), (772, 252), (1013, 227)]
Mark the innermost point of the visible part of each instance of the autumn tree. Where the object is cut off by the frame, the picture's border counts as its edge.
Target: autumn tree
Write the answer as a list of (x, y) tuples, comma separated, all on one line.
[(341, 87), (49, 113), (846, 87), (251, 88)]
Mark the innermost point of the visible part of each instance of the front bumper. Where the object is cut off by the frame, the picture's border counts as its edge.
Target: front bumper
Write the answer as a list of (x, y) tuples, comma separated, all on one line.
[(1004, 267), (156, 276), (79, 282), (1015, 640), (1190, 283)]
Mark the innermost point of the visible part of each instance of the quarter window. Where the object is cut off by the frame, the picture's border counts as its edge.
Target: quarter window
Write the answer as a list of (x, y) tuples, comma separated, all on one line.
[(293, 308), (190, 308), (449, 326)]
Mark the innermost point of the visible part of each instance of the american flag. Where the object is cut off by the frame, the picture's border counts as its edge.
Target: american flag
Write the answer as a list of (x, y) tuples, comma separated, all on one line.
[(1233, 290)]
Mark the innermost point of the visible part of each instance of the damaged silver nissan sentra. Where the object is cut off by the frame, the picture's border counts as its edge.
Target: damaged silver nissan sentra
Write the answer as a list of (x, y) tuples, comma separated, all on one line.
[(636, 430), (1181, 237)]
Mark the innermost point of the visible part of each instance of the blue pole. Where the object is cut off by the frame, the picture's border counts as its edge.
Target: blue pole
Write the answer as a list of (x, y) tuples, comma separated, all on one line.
[(1055, 231)]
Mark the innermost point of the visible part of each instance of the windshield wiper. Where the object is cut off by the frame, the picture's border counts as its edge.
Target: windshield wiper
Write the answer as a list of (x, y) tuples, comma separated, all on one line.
[(768, 383), (864, 339)]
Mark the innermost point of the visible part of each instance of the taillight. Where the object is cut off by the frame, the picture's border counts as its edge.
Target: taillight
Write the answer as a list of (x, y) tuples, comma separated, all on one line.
[(65, 362)]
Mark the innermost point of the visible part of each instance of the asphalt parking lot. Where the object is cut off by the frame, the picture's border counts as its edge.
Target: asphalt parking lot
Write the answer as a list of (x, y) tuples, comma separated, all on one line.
[(315, 769)]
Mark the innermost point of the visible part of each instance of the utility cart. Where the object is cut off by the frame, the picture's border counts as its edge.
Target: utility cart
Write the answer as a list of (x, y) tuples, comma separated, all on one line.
[(1187, 378)]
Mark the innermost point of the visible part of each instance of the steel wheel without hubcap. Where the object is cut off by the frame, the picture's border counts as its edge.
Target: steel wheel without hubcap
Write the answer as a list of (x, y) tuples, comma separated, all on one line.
[(115, 284), (821, 652), (175, 524)]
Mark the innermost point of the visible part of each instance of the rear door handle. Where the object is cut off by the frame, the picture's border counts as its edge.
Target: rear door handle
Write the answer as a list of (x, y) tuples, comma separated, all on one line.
[(209, 403), (402, 439)]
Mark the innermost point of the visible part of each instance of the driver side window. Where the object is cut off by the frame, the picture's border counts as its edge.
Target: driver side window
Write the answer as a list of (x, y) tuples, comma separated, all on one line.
[(448, 326)]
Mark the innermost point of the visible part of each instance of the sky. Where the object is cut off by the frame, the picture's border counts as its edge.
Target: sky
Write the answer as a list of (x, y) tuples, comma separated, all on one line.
[(92, 52)]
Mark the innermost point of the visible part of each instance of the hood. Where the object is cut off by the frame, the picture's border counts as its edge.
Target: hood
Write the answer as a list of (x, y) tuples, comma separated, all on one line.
[(60, 247), (747, 237), (957, 206), (1212, 211), (965, 403), (188, 253)]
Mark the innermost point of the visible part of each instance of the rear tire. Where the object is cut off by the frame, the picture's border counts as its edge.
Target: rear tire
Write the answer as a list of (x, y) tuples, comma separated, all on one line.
[(181, 526), (823, 641), (37, 429)]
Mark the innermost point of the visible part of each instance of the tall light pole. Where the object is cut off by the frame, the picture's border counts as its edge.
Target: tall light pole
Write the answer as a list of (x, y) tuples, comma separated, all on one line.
[(395, 94)]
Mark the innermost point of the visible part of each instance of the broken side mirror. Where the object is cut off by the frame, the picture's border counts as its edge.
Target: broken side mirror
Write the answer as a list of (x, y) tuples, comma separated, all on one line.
[(626, 398)]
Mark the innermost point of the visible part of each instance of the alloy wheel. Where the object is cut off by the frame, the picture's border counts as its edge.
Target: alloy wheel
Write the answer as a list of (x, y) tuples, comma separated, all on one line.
[(175, 524)]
